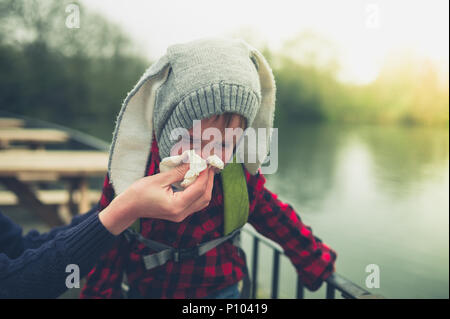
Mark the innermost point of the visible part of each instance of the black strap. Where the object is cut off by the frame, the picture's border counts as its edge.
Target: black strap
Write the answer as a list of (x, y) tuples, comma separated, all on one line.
[(166, 253)]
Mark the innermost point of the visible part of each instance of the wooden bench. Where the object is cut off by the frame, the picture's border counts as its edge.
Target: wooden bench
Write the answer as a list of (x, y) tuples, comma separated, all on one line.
[(10, 122), (49, 197), (33, 138), (59, 199), (73, 168)]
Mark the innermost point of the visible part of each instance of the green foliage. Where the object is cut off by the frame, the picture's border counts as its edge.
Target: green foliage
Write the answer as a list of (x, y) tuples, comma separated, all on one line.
[(409, 89), (79, 77), (75, 77)]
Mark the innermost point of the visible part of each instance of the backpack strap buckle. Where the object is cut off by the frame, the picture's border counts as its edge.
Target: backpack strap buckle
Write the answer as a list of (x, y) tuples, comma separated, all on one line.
[(180, 255)]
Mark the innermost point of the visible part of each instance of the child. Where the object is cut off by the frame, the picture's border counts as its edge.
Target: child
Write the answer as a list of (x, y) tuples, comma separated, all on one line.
[(224, 84)]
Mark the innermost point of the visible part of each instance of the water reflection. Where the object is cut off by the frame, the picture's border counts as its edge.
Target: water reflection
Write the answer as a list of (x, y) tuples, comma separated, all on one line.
[(375, 194), (307, 158)]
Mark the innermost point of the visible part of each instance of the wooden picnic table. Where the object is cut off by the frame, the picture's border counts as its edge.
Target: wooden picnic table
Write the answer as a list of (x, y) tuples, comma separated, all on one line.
[(10, 122), (34, 138), (19, 167)]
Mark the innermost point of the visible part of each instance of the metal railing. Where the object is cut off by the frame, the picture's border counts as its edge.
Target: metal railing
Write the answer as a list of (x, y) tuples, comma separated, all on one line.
[(335, 282)]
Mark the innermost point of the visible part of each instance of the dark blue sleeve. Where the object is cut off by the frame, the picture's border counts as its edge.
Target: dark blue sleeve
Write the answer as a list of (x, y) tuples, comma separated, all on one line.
[(13, 243), (41, 272), (11, 240), (34, 239)]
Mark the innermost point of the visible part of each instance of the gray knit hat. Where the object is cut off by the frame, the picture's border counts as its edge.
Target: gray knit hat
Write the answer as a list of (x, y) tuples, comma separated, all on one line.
[(190, 82), (207, 77)]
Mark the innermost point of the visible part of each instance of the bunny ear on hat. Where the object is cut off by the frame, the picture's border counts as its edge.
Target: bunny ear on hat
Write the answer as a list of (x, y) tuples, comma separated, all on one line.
[(133, 134), (265, 115)]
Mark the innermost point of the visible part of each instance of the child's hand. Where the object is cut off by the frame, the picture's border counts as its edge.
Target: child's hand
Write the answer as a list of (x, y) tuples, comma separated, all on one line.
[(153, 197)]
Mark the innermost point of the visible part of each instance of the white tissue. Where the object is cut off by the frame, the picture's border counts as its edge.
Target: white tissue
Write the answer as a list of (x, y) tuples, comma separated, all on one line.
[(196, 166)]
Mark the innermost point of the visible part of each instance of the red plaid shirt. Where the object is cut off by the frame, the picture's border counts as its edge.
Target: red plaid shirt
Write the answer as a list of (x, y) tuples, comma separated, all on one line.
[(219, 267)]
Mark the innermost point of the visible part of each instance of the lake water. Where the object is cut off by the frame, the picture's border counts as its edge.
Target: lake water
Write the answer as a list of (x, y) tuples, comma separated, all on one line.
[(377, 195)]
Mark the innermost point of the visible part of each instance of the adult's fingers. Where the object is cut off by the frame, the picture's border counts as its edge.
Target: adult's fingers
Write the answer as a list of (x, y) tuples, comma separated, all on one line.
[(205, 198), (176, 174), (188, 196), (210, 184)]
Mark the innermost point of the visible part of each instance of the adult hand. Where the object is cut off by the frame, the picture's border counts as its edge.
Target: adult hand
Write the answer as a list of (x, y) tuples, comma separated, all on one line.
[(153, 197)]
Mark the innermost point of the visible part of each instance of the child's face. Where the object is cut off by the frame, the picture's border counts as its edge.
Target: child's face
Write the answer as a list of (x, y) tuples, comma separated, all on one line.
[(209, 144)]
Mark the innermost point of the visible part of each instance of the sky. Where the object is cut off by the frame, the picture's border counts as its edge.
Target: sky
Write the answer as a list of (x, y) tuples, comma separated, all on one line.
[(364, 31)]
